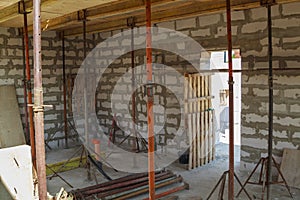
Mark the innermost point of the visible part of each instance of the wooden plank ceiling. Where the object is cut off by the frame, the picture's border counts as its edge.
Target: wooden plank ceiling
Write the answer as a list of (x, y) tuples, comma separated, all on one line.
[(104, 15)]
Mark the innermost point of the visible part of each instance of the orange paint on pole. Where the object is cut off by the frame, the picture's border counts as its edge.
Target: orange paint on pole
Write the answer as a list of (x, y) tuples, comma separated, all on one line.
[(151, 169)]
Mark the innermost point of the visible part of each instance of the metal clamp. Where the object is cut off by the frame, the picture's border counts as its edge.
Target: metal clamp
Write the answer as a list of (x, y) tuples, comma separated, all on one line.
[(22, 8), (131, 21), (267, 2), (40, 108), (82, 15)]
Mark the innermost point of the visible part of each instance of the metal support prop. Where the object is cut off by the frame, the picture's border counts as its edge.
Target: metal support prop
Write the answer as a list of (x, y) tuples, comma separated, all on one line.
[(27, 81), (270, 137), (27, 136), (151, 160), (65, 89), (131, 23), (86, 120), (38, 101), (231, 108)]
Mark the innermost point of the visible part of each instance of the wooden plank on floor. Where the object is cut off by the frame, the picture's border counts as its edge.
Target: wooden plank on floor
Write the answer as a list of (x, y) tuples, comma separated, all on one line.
[(290, 167)]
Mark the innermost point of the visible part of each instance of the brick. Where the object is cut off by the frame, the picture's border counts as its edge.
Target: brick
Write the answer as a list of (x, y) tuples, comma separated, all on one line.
[(2, 72), (51, 117), (255, 143), (295, 108), (235, 16), (186, 23), (287, 121), (167, 25), (249, 118), (286, 22), (15, 72), (284, 145), (291, 8), (50, 98), (160, 36), (254, 27), (296, 135), (287, 80), (201, 33), (292, 93), (171, 58), (51, 80), (258, 13), (105, 35), (209, 20), (14, 42)]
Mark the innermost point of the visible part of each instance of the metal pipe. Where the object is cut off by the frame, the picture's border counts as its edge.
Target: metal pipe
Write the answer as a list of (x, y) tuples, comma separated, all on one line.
[(38, 101), (64, 89), (270, 138), (27, 136), (28, 85), (135, 145), (231, 104), (127, 189), (151, 166), (171, 191), (159, 184), (126, 178), (126, 183)]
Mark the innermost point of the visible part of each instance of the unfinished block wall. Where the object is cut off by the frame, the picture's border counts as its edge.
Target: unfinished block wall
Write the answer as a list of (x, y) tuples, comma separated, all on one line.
[(11, 72), (249, 29)]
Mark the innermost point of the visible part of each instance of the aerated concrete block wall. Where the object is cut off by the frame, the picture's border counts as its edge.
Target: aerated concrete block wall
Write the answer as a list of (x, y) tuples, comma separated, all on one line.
[(249, 29), (11, 72)]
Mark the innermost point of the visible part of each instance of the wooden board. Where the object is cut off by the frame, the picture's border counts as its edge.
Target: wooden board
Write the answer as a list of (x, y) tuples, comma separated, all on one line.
[(199, 119), (290, 167), (11, 130)]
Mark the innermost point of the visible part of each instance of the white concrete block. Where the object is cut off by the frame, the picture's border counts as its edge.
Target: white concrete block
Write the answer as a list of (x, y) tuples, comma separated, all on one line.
[(295, 108), (201, 33), (168, 25), (2, 72), (254, 27), (250, 118), (186, 23), (292, 93), (247, 130), (258, 13), (291, 8), (208, 20), (255, 143), (287, 121), (285, 145), (51, 117), (235, 15), (14, 41), (286, 22)]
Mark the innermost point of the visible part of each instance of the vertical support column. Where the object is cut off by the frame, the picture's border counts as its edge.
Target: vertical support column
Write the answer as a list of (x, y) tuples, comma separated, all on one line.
[(270, 137), (85, 93), (38, 101), (28, 85), (64, 89), (135, 146), (151, 168), (231, 108), (27, 136)]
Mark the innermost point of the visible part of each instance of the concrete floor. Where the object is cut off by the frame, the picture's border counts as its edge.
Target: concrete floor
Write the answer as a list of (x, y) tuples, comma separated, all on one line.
[(201, 180)]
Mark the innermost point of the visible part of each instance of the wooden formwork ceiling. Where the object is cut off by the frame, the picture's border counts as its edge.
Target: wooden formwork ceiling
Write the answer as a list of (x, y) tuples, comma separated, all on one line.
[(104, 15)]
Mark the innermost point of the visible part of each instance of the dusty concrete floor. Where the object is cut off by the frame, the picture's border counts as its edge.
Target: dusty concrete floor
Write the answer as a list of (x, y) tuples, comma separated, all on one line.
[(201, 180)]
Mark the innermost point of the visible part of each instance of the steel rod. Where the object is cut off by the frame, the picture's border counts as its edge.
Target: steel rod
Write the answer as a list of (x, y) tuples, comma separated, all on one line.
[(64, 89), (151, 165), (144, 189), (126, 183), (270, 136), (171, 191), (135, 145), (27, 136), (28, 85), (38, 101), (127, 189), (119, 180), (231, 104)]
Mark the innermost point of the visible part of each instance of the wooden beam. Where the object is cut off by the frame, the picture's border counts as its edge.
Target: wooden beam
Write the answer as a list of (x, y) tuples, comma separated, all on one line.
[(107, 10), (12, 11), (179, 12)]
